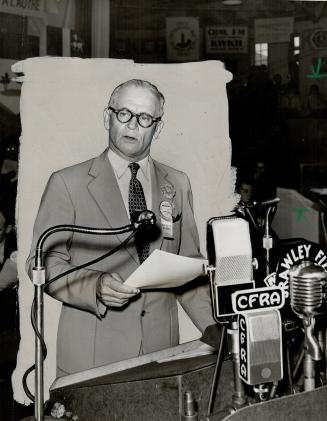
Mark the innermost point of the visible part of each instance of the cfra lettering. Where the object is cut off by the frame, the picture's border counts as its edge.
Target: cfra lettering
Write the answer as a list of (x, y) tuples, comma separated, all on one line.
[(259, 300), (243, 355)]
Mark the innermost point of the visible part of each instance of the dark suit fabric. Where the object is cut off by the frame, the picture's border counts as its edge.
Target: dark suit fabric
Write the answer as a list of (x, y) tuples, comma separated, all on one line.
[(8, 296), (9, 335), (87, 194)]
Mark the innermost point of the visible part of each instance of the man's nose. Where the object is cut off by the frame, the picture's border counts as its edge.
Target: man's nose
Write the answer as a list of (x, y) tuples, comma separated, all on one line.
[(132, 124)]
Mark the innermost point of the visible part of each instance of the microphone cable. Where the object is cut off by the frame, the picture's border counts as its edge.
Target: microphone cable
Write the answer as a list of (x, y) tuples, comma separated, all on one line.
[(214, 382), (46, 285)]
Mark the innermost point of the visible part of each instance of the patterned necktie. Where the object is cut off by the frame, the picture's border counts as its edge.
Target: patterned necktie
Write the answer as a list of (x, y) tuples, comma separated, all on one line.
[(136, 204)]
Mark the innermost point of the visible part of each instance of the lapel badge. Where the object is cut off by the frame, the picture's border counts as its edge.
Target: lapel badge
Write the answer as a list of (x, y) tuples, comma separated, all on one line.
[(168, 191)]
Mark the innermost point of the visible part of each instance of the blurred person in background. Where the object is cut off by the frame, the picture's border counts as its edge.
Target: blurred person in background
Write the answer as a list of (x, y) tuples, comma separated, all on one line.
[(290, 102), (316, 104), (264, 185), (9, 176), (9, 331), (244, 188)]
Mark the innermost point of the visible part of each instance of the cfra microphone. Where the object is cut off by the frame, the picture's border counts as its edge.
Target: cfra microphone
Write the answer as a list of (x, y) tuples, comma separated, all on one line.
[(256, 341), (260, 338), (230, 261), (260, 334)]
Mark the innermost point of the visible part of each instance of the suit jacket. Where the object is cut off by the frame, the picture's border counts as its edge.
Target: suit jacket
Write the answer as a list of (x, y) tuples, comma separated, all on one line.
[(87, 194)]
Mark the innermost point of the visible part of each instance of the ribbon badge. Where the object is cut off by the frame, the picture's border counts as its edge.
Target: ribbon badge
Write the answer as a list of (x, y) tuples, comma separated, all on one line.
[(166, 209)]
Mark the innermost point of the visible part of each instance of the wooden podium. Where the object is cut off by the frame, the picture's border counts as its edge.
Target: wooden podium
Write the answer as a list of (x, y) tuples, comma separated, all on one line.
[(147, 388), (152, 387), (305, 406)]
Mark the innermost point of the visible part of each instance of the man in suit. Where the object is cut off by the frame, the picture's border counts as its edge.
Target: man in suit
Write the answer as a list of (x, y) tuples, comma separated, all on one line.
[(102, 319)]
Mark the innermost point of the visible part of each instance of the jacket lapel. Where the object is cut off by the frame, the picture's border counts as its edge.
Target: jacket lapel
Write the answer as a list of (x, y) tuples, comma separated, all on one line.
[(160, 179), (106, 193)]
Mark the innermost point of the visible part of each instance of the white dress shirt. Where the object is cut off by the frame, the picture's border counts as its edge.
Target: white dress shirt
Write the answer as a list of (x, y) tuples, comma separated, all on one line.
[(123, 176)]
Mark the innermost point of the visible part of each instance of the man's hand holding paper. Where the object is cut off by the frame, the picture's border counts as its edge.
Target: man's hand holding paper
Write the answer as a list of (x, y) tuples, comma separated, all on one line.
[(111, 290)]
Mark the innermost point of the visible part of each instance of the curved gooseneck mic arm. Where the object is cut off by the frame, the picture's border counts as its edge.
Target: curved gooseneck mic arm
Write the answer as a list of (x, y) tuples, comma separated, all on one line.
[(145, 219)]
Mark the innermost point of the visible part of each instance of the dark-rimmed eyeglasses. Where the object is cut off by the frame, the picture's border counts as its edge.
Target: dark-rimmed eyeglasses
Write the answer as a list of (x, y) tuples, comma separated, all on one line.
[(125, 115)]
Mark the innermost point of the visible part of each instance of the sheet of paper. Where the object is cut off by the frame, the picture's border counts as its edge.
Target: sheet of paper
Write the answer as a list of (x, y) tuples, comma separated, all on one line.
[(165, 270)]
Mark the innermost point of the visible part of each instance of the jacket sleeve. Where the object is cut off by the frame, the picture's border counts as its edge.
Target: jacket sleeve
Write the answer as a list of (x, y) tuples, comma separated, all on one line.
[(194, 296), (77, 289)]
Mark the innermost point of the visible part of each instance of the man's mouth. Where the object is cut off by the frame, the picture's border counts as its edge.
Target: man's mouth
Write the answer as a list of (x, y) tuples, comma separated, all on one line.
[(130, 138)]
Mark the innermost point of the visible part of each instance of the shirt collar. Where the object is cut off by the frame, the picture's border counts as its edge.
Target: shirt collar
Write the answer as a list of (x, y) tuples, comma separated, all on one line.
[(120, 165)]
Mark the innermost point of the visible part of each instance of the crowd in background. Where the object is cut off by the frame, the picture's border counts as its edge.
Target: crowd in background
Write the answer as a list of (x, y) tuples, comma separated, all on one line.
[(9, 323), (261, 111)]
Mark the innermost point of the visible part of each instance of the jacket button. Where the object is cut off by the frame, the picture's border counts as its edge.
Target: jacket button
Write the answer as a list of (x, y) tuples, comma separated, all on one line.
[(143, 313)]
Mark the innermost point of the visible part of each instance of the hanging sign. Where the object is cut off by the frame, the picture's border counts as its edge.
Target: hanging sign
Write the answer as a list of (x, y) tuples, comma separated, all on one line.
[(183, 39), (23, 7), (226, 39)]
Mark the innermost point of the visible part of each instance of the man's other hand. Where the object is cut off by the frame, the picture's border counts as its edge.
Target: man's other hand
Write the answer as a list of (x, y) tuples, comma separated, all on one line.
[(112, 292)]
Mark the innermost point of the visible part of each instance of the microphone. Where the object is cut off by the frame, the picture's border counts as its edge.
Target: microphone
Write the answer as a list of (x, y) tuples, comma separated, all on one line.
[(230, 269), (230, 261), (255, 341), (260, 339), (269, 202), (260, 336), (145, 219), (307, 299), (307, 289)]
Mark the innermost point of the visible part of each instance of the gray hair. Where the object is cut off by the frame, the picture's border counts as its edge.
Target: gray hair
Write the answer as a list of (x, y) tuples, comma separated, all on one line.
[(138, 83)]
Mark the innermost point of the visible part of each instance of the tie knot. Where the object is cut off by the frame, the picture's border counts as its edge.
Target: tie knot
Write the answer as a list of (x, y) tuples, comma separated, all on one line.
[(134, 167)]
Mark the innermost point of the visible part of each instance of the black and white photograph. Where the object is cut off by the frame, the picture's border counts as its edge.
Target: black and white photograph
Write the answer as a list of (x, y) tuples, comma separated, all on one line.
[(163, 243)]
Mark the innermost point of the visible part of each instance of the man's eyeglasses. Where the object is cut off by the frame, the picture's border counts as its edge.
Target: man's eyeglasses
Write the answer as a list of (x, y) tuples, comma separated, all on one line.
[(125, 115)]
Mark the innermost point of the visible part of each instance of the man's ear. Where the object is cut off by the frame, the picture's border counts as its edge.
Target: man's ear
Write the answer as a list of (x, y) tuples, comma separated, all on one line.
[(9, 228), (106, 117), (159, 127)]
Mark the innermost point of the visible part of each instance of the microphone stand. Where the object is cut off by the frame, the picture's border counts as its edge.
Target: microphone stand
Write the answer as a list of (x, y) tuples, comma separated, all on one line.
[(307, 284), (311, 355), (239, 398), (39, 284), (267, 240)]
